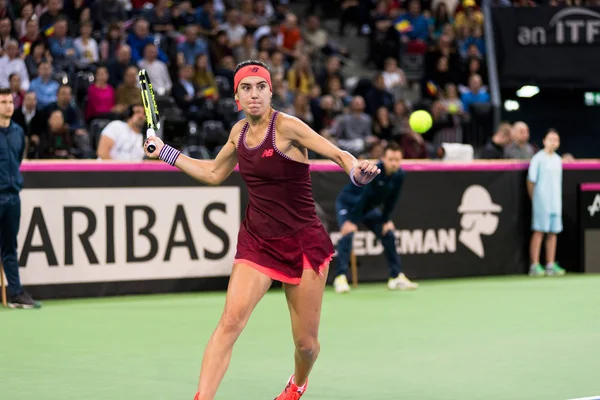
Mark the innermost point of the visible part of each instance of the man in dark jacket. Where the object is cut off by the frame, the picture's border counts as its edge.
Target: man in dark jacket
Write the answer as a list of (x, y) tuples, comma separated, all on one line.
[(372, 205), (12, 147)]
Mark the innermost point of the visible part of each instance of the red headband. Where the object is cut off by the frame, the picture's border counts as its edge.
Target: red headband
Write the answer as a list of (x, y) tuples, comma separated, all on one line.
[(250, 70)]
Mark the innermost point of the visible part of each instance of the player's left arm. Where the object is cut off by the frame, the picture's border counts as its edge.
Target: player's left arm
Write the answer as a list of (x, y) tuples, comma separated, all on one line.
[(297, 131), (392, 199)]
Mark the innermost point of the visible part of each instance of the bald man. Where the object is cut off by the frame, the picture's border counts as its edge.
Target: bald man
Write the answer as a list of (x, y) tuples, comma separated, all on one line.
[(520, 148)]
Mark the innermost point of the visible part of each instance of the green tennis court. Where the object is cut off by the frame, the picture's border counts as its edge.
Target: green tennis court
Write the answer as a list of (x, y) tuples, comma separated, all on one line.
[(492, 338)]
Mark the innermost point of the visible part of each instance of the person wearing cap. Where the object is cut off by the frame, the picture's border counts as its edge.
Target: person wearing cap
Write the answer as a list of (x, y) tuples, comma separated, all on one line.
[(372, 206), (544, 185)]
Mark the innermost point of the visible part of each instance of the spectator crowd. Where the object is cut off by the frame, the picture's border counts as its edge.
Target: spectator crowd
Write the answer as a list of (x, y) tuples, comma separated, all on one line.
[(72, 66)]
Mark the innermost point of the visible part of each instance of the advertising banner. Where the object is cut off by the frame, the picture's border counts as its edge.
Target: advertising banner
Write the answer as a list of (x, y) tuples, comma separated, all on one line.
[(548, 46), (589, 217)]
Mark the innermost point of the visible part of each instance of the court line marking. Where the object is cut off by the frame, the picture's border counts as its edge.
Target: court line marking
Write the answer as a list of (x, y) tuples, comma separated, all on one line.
[(587, 398)]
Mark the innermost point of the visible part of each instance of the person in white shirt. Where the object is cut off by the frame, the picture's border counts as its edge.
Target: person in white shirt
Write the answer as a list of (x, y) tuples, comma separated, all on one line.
[(87, 45), (11, 63), (123, 140), (157, 70)]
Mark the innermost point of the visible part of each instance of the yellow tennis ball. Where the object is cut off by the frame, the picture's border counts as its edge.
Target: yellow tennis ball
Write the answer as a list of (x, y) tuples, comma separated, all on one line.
[(420, 121)]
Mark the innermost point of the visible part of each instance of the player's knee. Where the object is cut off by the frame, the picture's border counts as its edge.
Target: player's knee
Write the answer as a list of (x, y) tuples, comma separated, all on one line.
[(232, 321), (308, 346)]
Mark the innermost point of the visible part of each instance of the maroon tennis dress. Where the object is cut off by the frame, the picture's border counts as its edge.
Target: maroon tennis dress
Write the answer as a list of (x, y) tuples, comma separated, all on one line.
[(281, 234)]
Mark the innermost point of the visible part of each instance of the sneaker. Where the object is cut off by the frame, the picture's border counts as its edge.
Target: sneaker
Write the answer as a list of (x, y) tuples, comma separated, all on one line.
[(401, 282), (537, 270), (554, 270), (340, 284), (292, 391), (23, 300)]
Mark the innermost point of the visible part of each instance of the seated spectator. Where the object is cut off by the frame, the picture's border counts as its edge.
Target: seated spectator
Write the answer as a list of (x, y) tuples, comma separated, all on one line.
[(123, 140), (494, 148), (469, 16), (451, 100), (302, 109), (183, 15), (31, 35), (441, 17), (128, 92), (118, 66), (473, 38), (277, 66), (476, 93), (282, 98), (382, 127), (87, 46), (50, 16), (21, 22), (247, 50), (139, 39), (267, 36), (332, 68), (520, 148), (341, 98), (157, 70), (324, 115), (38, 54), (57, 139), (394, 78), (289, 41), (207, 19), (101, 96), (111, 44), (438, 79), (160, 18), (412, 25), (188, 96), (44, 86), (300, 76), (32, 121), (5, 33), (377, 96), (11, 63), (219, 49), (234, 29), (413, 145), (107, 12), (203, 77), (473, 67), (72, 119), (193, 46), (446, 126), (316, 37), (399, 119), (15, 88), (353, 132), (62, 47)]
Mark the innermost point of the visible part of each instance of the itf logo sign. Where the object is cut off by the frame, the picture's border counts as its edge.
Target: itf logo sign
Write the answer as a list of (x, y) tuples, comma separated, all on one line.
[(478, 218)]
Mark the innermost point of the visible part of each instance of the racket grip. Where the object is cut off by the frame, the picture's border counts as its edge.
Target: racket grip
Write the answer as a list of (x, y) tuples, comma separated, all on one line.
[(150, 133)]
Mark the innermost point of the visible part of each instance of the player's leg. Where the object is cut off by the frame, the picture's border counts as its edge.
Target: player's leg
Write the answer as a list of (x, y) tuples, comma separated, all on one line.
[(246, 287), (304, 302), (397, 280), (9, 228), (552, 267), (344, 248), (540, 223)]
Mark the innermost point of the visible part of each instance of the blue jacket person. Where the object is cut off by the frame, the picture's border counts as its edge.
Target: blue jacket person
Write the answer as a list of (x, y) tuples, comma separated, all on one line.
[(12, 148), (372, 205)]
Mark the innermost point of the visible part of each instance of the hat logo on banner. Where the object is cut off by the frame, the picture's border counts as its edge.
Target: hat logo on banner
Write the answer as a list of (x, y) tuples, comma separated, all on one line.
[(595, 207), (575, 25), (478, 218)]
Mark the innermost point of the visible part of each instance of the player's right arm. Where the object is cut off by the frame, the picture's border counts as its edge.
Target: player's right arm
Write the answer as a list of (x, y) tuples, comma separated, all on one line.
[(210, 172)]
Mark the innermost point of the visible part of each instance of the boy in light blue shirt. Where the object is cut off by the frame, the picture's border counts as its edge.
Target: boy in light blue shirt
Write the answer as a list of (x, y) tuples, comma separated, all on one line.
[(544, 185)]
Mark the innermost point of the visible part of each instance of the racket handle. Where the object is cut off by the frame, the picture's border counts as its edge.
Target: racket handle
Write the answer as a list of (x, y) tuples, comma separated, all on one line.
[(150, 133)]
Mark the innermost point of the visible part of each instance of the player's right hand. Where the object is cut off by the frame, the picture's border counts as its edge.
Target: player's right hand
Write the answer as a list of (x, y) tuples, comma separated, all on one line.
[(348, 227), (157, 142)]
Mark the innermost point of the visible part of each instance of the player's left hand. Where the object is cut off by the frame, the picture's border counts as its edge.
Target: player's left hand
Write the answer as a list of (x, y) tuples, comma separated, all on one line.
[(387, 227), (365, 172)]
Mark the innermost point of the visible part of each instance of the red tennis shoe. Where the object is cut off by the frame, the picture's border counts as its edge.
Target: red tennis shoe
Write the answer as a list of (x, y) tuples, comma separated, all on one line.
[(292, 391)]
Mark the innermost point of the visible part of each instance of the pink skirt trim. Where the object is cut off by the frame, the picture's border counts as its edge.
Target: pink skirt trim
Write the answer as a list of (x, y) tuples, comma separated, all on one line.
[(279, 276)]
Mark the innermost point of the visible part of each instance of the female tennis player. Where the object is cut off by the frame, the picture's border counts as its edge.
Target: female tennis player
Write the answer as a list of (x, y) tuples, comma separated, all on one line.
[(281, 237)]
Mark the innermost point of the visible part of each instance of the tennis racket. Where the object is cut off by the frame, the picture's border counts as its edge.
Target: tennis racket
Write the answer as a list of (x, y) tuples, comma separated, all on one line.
[(150, 107)]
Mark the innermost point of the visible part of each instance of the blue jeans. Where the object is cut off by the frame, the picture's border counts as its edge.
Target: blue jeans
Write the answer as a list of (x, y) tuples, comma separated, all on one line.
[(374, 222), (10, 217)]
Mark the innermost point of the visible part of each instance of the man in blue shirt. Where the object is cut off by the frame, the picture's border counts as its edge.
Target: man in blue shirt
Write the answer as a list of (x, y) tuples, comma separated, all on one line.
[(12, 147), (372, 205), (544, 185)]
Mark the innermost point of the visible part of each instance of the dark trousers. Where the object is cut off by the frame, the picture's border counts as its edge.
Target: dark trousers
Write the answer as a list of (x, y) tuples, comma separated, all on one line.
[(10, 217), (374, 222)]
